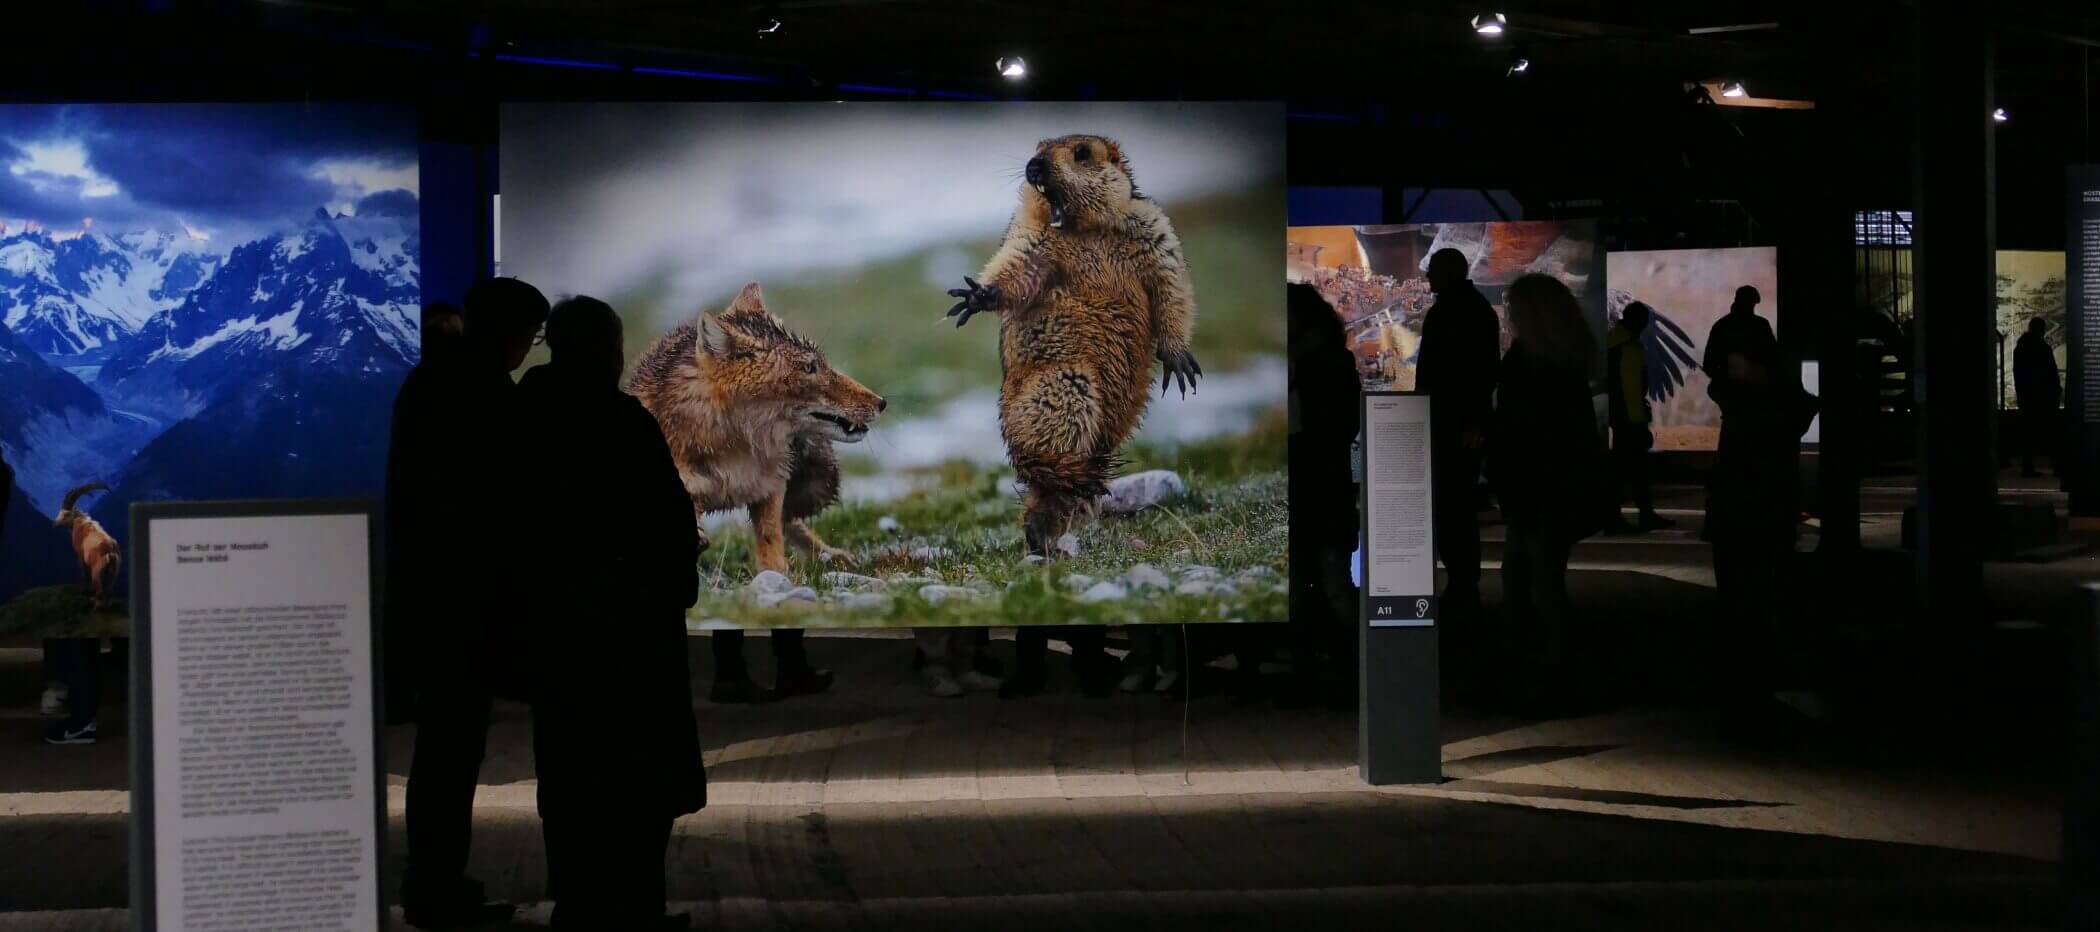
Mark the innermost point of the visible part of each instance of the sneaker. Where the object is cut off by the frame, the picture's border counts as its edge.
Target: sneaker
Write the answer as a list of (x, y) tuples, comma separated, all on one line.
[(60, 734), (54, 702), (975, 679), (1168, 683), (937, 683), (738, 691), (1133, 682), (805, 682)]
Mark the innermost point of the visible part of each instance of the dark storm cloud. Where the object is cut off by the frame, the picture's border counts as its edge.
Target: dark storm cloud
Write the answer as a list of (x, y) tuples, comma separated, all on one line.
[(395, 203), (237, 164)]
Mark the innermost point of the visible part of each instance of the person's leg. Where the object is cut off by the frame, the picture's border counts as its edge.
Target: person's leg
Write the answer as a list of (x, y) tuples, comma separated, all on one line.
[(792, 674), (1457, 529), (1143, 659), (1639, 441), (728, 650), (1518, 560), (1091, 663), (451, 739), (937, 675), (78, 664), (733, 683), (1031, 663)]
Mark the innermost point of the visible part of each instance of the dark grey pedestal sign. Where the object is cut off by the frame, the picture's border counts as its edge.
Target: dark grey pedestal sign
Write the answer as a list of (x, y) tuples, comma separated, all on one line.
[(1397, 734), (258, 793)]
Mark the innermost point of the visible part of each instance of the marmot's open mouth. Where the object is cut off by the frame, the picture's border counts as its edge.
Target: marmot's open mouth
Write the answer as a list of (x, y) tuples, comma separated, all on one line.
[(1057, 207), (850, 428)]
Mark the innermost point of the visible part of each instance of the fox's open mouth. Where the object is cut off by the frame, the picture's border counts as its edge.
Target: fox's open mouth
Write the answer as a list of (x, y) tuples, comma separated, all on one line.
[(843, 428)]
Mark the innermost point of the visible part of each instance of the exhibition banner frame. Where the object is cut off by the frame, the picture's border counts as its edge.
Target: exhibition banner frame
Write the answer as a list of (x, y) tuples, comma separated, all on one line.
[(146, 527), (2082, 320)]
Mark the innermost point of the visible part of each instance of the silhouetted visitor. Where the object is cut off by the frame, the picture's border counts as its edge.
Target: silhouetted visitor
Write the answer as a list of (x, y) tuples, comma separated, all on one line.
[(792, 673), (1461, 340), (2038, 392), (442, 328), (1626, 381), (1326, 399), (1753, 506), (1544, 455), (458, 570), (617, 582)]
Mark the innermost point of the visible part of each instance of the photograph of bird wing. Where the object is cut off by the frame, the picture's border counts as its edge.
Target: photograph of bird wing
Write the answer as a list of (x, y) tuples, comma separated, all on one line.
[(1664, 345)]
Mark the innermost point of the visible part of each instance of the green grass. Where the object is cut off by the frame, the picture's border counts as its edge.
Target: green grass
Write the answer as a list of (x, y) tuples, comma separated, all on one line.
[(1233, 517), (62, 611)]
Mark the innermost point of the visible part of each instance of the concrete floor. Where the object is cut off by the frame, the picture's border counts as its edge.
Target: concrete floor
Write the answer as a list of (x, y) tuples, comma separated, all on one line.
[(1627, 788)]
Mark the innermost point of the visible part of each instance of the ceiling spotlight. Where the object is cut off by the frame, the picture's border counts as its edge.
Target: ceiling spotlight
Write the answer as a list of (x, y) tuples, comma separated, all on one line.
[(1519, 66), (769, 26), (1013, 67), (1490, 24), (1733, 89), (1999, 116)]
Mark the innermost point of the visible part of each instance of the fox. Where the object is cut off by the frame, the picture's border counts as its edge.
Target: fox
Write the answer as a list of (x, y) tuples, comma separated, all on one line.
[(750, 411), (1091, 287), (92, 546)]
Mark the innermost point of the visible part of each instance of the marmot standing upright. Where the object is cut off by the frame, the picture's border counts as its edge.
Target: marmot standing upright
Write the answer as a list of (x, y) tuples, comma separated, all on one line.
[(1091, 287)]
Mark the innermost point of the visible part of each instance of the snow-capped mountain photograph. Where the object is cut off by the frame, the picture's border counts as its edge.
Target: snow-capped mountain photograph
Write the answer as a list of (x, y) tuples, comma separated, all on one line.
[(198, 302)]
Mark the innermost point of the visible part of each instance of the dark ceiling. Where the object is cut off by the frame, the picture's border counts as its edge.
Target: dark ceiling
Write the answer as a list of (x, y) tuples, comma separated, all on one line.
[(1390, 94)]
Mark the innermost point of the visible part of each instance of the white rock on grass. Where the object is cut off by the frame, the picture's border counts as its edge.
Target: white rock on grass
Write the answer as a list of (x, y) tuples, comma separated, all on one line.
[(1254, 574), (1182, 556), (854, 582), (888, 524), (937, 594), (770, 582), (1034, 559), (1138, 491), (1196, 571), (1079, 581), (799, 594), (1196, 587), (865, 601), (1103, 592), (909, 579), (1068, 545), (1146, 576)]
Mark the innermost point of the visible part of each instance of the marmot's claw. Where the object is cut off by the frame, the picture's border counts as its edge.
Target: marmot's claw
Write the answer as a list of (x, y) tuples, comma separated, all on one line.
[(1179, 367), (974, 298)]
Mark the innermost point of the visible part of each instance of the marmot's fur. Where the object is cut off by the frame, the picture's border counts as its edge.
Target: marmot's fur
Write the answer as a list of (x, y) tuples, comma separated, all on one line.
[(1091, 287)]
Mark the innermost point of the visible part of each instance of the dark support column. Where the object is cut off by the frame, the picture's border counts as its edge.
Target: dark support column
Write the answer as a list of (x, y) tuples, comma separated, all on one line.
[(1956, 294)]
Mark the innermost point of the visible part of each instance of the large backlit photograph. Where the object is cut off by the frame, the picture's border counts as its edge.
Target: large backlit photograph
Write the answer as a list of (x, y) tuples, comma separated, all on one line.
[(999, 363), (196, 302)]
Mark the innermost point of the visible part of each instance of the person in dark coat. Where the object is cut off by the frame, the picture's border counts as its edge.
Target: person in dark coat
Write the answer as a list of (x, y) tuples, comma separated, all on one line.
[(1626, 387), (1326, 401), (1545, 457), (2036, 389), (616, 530), (1754, 501), (1461, 344), (455, 551)]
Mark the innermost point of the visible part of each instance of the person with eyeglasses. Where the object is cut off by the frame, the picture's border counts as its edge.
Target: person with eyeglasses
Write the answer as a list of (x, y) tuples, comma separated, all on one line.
[(455, 528)]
